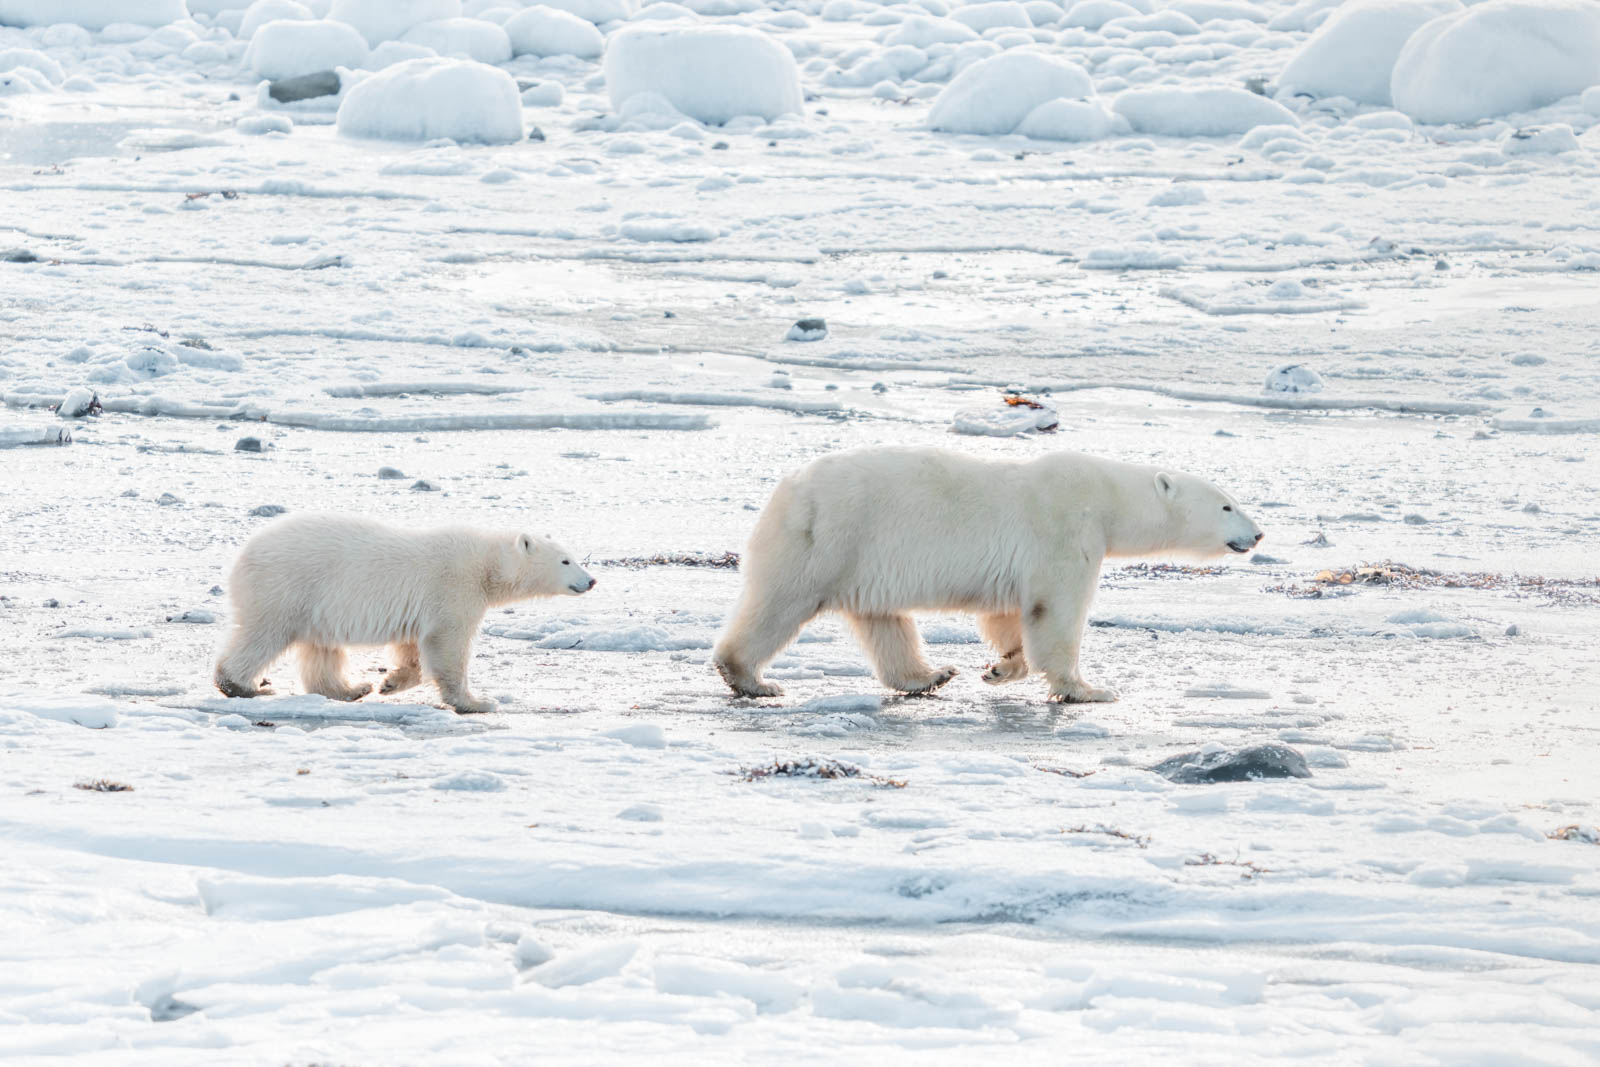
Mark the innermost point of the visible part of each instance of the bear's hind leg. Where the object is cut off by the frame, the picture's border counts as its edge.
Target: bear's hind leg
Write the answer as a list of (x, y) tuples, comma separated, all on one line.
[(762, 627), (250, 651), (407, 670), (322, 671), (895, 649), (444, 659), (1004, 632)]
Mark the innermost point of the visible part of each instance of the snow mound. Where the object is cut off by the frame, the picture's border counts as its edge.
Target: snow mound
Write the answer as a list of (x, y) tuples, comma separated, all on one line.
[(264, 11), (16, 58), (288, 48), (475, 39), (710, 73), (1004, 420), (1070, 120), (993, 15), (994, 95), (1293, 378), (91, 14), (1092, 14), (426, 99), (598, 12), (386, 20), (1212, 112), (1540, 140), (548, 31), (1353, 53), (1498, 57)]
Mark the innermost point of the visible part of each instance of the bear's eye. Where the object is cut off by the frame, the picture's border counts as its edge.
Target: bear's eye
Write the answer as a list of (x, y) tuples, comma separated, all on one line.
[(1227, 507), (566, 563)]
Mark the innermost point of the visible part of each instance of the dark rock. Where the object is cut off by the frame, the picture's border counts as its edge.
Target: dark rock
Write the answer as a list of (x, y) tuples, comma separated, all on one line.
[(18, 255), (422, 485), (166, 500), (391, 473), (267, 511), (535, 134), (1234, 765), (808, 330), (54, 603), (305, 87), (247, 444), (215, 590), (720, 146), (1265, 560)]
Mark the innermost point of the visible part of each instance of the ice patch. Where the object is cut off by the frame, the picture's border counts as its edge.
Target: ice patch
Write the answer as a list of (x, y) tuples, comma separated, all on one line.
[(994, 95), (710, 73), (1207, 112), (426, 99)]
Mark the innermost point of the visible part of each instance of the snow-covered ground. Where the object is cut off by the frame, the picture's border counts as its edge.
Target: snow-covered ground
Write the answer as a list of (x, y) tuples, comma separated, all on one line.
[(585, 334)]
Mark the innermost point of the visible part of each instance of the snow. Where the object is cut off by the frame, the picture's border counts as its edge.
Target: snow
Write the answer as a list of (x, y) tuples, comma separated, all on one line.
[(91, 14), (994, 95), (1353, 53), (1206, 112), (462, 38), (1498, 57), (710, 73), (387, 20), (585, 335), (548, 31), (598, 12), (424, 99), (262, 12), (288, 48)]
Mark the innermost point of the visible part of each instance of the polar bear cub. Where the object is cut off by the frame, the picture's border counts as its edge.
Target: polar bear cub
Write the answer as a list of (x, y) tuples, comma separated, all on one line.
[(881, 532), (322, 582)]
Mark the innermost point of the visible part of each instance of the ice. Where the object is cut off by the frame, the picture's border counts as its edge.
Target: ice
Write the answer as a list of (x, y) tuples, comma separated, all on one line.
[(262, 12), (462, 38), (424, 99), (387, 20), (1209, 112), (1498, 57), (1353, 52), (710, 73), (91, 14), (546, 31)]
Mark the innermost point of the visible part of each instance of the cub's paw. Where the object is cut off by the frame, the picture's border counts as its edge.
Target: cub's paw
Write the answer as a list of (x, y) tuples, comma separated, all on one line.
[(1082, 693), (939, 677)]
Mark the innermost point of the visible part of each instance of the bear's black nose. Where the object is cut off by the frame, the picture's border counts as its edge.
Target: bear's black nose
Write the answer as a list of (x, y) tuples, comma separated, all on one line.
[(591, 580), (1259, 536)]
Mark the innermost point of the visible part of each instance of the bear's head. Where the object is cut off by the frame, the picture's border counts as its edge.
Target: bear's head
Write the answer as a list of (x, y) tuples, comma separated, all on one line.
[(537, 566), (1202, 519)]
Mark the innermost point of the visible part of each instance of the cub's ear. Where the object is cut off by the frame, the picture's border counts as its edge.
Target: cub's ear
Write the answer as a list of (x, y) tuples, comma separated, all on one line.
[(1166, 485), (524, 542)]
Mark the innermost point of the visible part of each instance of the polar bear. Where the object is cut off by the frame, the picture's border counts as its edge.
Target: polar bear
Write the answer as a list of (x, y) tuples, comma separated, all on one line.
[(881, 532), (321, 582)]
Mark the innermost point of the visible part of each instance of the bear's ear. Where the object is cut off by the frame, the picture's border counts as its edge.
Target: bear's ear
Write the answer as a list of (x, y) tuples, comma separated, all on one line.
[(1166, 485), (524, 542)]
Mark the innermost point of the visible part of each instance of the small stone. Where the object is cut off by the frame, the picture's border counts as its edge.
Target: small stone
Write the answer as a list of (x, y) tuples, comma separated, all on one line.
[(1262, 559), (18, 255), (807, 330), (422, 485), (391, 473), (879, 387), (196, 616), (1513, 630), (247, 444), (1414, 519), (1531, 508), (166, 500), (1293, 378), (305, 87), (720, 146), (1234, 765), (535, 134), (267, 511), (215, 590), (52, 603), (1440, 264), (130, 494)]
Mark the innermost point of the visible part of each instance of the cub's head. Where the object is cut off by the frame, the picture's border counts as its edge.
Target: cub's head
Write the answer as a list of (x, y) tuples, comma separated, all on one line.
[(1203, 520), (540, 567)]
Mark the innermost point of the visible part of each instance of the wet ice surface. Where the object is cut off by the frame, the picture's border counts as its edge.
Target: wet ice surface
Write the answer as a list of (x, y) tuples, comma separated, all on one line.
[(291, 879)]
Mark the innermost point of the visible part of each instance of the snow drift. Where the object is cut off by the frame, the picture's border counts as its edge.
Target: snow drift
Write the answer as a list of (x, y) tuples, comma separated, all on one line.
[(1215, 112), (710, 73), (425, 99), (1353, 53), (1496, 58), (289, 48), (385, 20), (994, 95)]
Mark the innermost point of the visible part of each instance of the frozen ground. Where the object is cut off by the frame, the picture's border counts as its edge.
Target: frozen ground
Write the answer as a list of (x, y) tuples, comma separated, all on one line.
[(584, 335)]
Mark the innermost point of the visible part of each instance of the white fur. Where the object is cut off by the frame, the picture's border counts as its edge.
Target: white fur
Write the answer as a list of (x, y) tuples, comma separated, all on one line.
[(880, 532), (323, 582)]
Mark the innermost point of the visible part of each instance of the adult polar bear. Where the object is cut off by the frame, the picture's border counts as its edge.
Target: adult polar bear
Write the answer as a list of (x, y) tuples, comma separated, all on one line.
[(322, 582), (880, 532)]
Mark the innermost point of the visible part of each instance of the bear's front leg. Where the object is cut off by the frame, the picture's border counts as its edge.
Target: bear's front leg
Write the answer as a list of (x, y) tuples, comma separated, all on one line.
[(1004, 632), (1052, 632), (444, 659)]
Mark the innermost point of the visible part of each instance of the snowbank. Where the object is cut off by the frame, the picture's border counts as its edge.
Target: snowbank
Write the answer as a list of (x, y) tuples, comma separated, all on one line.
[(386, 20), (289, 48), (91, 14), (466, 38), (1498, 57), (425, 99), (548, 31), (1214, 112), (1353, 53), (994, 95), (1071, 120), (710, 73)]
